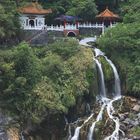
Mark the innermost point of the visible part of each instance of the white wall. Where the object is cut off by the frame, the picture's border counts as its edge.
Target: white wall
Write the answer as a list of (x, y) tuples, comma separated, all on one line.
[(39, 21)]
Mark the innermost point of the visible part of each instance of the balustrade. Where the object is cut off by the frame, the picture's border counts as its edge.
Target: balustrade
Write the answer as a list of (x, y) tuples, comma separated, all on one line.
[(68, 27)]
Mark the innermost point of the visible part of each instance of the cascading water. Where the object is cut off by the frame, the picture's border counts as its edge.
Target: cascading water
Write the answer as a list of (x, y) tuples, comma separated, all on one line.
[(22, 136), (110, 111), (107, 103), (77, 130), (117, 79), (99, 117), (102, 83), (116, 75), (69, 128), (70, 136)]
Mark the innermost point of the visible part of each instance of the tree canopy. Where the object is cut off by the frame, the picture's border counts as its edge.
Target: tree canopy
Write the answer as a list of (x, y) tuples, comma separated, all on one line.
[(9, 22), (35, 80)]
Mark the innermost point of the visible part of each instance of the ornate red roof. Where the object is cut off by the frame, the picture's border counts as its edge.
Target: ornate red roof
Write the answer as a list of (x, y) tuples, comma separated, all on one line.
[(107, 14), (34, 8)]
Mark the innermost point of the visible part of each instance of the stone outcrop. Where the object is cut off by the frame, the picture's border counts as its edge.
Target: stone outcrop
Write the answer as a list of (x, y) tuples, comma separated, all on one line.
[(7, 131)]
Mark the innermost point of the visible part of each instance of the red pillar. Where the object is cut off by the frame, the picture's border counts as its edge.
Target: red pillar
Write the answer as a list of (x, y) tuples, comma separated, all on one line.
[(77, 24), (65, 23)]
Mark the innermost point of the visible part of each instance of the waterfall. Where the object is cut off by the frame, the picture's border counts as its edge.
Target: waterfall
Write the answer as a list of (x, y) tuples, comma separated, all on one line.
[(110, 111), (117, 79), (77, 130), (69, 130), (66, 120), (22, 136), (99, 117), (102, 83), (107, 103), (76, 134), (116, 75)]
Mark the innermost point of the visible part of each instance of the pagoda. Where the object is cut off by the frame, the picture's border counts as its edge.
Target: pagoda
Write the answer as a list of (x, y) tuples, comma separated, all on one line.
[(32, 16), (107, 17)]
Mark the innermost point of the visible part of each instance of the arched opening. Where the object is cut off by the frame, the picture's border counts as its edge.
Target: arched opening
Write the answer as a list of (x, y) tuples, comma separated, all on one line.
[(32, 23), (71, 34)]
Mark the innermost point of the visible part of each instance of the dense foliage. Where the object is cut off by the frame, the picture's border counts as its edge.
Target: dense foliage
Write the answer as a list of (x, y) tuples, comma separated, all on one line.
[(9, 25), (122, 45), (37, 80)]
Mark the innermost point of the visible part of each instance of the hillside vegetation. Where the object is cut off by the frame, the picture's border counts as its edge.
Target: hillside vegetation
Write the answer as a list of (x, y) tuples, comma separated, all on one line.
[(34, 80)]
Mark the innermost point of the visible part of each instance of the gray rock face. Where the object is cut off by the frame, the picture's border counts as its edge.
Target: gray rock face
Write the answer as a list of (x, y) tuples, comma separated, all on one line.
[(130, 120), (3, 123)]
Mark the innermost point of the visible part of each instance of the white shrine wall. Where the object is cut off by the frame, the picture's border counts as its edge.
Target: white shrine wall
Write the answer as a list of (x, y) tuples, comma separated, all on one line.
[(32, 22)]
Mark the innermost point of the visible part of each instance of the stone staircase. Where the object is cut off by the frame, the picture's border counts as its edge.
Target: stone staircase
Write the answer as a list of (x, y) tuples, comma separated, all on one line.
[(38, 38)]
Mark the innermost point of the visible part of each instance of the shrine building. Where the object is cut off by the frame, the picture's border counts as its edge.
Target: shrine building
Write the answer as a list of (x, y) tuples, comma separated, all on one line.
[(32, 16), (107, 17)]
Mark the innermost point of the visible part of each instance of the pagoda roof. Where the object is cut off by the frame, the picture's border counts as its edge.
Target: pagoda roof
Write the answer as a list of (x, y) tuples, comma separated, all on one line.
[(107, 14), (34, 8)]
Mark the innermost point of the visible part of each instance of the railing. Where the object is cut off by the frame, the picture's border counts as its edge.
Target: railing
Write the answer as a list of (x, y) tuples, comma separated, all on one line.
[(61, 27), (73, 26), (68, 27), (54, 28), (90, 25)]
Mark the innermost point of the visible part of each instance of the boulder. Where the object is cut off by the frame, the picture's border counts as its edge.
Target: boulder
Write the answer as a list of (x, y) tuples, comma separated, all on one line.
[(133, 100), (127, 121), (136, 108), (134, 123), (13, 134), (139, 102), (123, 127)]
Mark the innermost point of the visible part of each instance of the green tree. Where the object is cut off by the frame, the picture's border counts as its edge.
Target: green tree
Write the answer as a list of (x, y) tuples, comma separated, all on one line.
[(131, 11), (123, 42), (86, 9), (27, 65), (9, 23), (45, 80)]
